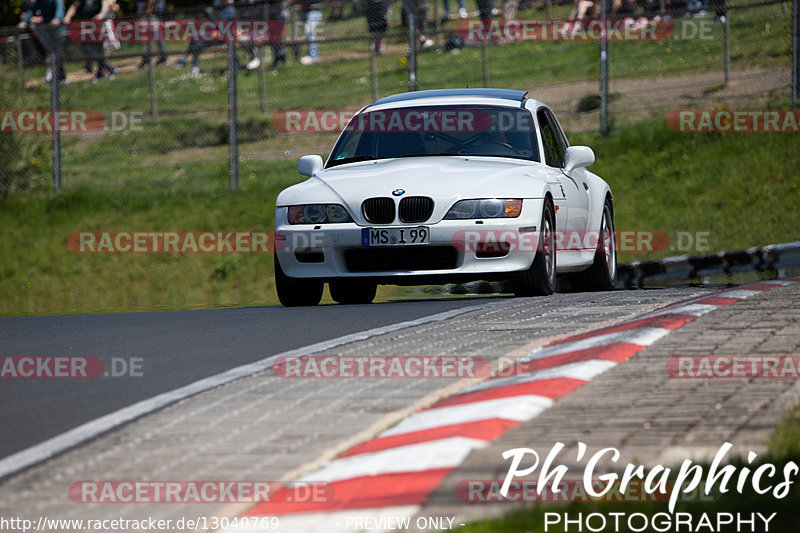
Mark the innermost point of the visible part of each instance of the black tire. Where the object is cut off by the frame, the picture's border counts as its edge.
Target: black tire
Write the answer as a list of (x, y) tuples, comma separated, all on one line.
[(602, 275), (346, 291), (540, 278), (295, 292)]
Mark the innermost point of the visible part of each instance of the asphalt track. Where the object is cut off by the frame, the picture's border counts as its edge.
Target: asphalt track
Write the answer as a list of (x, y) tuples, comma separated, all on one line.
[(176, 348)]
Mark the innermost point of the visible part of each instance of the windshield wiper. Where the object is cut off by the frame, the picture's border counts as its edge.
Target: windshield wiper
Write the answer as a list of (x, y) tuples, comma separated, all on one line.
[(434, 155), (354, 159)]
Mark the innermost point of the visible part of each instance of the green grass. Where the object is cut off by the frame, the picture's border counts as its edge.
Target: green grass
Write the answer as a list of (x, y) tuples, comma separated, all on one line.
[(740, 188), (784, 446), (40, 275)]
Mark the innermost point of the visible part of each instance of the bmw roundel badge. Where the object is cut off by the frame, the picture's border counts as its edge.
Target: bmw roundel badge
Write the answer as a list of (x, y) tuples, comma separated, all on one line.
[(398, 192)]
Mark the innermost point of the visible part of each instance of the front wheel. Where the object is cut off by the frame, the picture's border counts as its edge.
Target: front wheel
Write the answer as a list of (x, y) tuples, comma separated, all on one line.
[(540, 278), (346, 291), (602, 275), (295, 292)]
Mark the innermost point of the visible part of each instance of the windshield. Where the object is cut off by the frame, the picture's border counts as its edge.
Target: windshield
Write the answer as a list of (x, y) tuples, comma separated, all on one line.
[(436, 131)]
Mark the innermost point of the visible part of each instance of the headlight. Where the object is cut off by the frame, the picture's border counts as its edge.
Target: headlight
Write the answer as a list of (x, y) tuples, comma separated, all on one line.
[(318, 214), (487, 208)]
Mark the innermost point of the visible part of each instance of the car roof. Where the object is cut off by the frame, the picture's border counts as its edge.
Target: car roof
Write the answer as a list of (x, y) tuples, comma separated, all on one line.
[(504, 94), (502, 97)]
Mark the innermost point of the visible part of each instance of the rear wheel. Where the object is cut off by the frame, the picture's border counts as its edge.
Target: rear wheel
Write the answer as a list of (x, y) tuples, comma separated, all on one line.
[(602, 275), (346, 291), (540, 278), (295, 292)]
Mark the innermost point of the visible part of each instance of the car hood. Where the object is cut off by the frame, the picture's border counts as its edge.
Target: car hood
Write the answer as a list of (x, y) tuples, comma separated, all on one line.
[(445, 179)]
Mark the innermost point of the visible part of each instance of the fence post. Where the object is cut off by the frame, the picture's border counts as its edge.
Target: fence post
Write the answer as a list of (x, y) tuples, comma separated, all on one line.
[(437, 23), (604, 72), (485, 61), (795, 53), (373, 69), (411, 14), (727, 27), (549, 9), (21, 60), (152, 73), (262, 87), (233, 138), (54, 108)]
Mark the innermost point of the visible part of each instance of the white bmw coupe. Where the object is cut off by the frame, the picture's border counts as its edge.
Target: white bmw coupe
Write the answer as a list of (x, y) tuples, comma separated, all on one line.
[(445, 186)]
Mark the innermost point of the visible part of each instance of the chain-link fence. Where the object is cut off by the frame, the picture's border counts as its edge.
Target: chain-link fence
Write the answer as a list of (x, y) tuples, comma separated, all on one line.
[(190, 111)]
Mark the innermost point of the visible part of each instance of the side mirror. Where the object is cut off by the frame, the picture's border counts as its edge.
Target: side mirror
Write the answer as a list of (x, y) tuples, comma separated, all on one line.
[(308, 165), (578, 157)]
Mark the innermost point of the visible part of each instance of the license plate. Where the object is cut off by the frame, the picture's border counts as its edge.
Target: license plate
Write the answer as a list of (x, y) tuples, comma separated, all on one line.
[(395, 236)]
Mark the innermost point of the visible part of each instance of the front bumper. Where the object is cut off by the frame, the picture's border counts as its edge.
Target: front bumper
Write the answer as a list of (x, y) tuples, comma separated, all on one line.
[(330, 251)]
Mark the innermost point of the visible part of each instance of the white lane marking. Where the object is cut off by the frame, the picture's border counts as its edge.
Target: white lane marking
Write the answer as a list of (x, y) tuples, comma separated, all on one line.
[(783, 282), (736, 293), (89, 430), (641, 336), (372, 520), (442, 453), (583, 370), (520, 408), (691, 309)]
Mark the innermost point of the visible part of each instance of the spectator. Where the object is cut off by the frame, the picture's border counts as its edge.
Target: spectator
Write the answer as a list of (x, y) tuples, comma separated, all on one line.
[(585, 9), (420, 13), (49, 15), (276, 17), (378, 12), (510, 9), (196, 46), (310, 16), (462, 9), (152, 11), (337, 10), (250, 12), (111, 41), (97, 10), (485, 9)]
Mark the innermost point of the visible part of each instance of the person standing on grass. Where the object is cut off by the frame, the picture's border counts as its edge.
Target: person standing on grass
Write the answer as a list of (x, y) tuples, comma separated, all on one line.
[(310, 16), (50, 14), (99, 11), (198, 45), (378, 22), (419, 10), (152, 11), (462, 9), (251, 11)]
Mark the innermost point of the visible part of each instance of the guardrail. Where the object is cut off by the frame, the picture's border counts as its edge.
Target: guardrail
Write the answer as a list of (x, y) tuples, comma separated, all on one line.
[(723, 268), (768, 262)]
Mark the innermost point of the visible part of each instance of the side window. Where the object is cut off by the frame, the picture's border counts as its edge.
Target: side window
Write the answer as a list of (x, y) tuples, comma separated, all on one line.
[(559, 133), (549, 141), (559, 142)]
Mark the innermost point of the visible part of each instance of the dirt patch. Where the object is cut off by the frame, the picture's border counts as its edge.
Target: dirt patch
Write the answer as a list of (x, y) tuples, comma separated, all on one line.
[(639, 98)]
